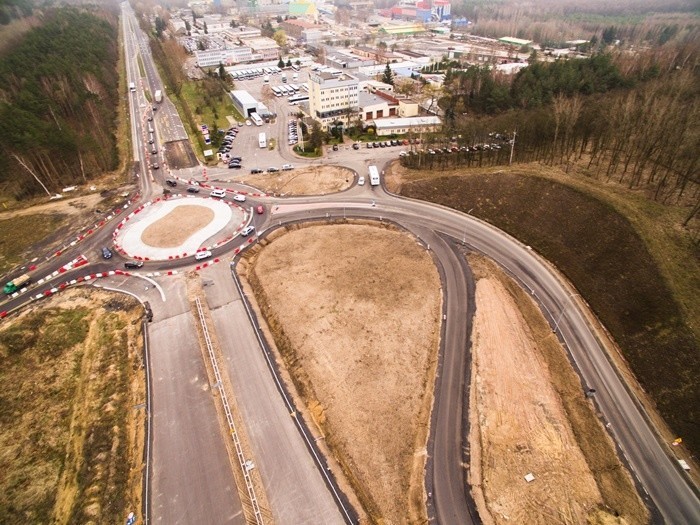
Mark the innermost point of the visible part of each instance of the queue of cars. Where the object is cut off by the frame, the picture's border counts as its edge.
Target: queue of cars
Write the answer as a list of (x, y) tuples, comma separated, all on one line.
[(292, 133)]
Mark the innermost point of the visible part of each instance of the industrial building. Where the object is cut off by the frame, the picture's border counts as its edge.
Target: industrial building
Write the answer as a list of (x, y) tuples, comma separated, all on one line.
[(333, 97), (401, 126), (244, 102)]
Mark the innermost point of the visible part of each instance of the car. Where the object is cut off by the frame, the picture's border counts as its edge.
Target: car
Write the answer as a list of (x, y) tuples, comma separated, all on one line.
[(370, 145), (335, 147), (259, 209), (133, 265), (241, 123), (192, 189), (382, 145), (248, 123), (154, 108), (355, 146), (287, 167), (171, 182), (150, 118), (218, 193), (256, 170), (150, 141), (272, 170), (402, 153), (234, 166), (155, 166), (237, 159), (247, 230), (360, 181), (239, 198), (202, 255), (106, 253)]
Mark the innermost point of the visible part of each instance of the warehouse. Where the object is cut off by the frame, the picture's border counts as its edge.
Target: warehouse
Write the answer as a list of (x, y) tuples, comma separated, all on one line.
[(244, 102), (400, 126)]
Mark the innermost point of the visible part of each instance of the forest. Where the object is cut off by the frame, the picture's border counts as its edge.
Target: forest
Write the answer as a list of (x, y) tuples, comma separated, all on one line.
[(58, 101), (634, 119), (553, 22)]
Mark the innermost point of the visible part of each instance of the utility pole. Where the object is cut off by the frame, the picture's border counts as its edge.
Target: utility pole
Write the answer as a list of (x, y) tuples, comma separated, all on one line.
[(512, 148)]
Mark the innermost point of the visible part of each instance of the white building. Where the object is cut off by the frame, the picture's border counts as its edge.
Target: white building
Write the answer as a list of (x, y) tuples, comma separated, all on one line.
[(234, 34), (267, 48), (244, 102), (227, 57), (400, 126), (332, 97)]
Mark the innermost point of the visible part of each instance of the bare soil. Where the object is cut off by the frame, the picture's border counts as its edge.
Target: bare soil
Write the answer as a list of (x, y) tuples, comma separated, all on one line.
[(177, 226), (354, 310), (527, 417), (179, 155), (308, 180)]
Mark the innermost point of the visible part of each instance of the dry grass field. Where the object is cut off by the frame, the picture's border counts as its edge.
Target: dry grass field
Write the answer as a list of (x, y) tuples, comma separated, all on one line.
[(71, 440)]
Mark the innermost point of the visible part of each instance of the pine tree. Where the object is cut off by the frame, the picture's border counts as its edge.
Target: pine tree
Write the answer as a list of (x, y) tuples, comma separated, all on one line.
[(388, 77)]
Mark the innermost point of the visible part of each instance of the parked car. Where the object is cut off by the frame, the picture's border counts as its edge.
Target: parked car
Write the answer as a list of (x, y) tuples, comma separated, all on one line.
[(133, 265), (256, 170), (272, 170), (106, 253), (234, 166), (361, 181), (171, 182), (287, 167), (335, 147), (155, 166), (202, 255), (356, 146)]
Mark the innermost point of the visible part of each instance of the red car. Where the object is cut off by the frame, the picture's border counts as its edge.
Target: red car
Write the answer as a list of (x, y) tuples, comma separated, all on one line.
[(260, 210)]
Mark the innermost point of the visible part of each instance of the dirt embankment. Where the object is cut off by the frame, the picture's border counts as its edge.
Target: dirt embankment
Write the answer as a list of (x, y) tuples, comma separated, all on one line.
[(354, 310), (528, 415), (71, 439), (307, 180)]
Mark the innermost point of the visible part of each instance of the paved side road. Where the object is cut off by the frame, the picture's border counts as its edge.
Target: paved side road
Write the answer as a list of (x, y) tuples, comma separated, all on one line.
[(296, 492), (191, 477)]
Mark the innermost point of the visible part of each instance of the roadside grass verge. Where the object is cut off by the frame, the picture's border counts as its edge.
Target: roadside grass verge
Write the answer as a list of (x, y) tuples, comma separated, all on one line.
[(615, 265), (19, 233), (70, 450)]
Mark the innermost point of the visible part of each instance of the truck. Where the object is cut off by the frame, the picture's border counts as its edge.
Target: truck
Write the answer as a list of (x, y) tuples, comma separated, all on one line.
[(158, 96), (373, 176), (262, 140), (16, 284), (132, 87), (257, 120)]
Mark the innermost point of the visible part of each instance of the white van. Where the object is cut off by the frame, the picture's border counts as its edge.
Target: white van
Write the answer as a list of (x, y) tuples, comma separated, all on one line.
[(218, 193), (202, 255)]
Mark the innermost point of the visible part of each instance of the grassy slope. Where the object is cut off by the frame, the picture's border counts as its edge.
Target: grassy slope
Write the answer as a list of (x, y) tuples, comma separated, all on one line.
[(611, 265), (66, 440), (19, 233)]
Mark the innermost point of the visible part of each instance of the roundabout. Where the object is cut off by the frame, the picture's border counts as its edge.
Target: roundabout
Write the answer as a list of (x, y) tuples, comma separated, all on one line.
[(178, 227)]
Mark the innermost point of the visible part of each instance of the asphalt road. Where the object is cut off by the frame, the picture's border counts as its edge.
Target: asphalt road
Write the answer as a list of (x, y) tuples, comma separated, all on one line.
[(296, 491)]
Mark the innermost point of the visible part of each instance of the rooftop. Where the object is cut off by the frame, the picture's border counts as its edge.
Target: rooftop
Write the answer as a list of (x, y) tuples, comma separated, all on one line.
[(407, 122), (514, 41)]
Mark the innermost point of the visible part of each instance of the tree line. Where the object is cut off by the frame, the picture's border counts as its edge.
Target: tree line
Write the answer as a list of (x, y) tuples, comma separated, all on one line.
[(58, 100), (632, 120)]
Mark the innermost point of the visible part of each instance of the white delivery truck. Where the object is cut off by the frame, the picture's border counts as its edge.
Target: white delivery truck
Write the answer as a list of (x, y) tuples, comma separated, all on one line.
[(158, 96), (262, 140), (373, 176), (132, 87)]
